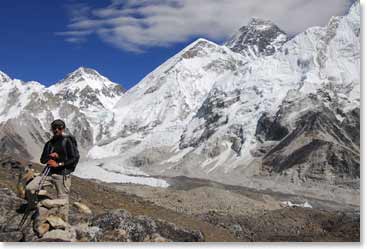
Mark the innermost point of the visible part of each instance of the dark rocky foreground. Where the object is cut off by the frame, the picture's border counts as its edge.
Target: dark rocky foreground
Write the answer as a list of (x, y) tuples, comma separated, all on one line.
[(116, 225), (291, 224), (116, 216), (119, 215)]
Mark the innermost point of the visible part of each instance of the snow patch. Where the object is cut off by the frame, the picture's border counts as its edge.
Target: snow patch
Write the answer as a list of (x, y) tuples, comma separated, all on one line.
[(104, 171)]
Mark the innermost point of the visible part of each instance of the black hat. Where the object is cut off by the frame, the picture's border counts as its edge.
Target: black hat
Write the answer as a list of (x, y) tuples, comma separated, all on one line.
[(58, 123)]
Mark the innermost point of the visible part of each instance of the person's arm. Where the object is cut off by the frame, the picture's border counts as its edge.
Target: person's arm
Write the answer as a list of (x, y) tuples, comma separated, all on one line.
[(45, 153), (73, 155)]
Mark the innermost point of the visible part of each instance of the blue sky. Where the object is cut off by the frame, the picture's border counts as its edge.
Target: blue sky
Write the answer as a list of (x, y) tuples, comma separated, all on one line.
[(126, 39)]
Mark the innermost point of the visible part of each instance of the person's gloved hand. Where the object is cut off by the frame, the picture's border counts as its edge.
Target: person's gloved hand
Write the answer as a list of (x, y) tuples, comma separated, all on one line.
[(54, 155), (52, 163)]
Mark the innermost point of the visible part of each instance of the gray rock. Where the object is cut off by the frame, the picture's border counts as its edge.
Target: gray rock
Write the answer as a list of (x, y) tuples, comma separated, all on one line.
[(139, 228), (84, 232), (57, 222), (82, 208), (60, 235), (53, 203), (11, 236), (316, 150), (263, 34)]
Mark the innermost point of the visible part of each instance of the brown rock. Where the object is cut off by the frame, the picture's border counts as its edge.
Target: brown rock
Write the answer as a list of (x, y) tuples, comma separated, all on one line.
[(43, 192), (42, 229), (60, 235), (156, 237), (49, 203), (42, 214), (83, 208), (57, 222)]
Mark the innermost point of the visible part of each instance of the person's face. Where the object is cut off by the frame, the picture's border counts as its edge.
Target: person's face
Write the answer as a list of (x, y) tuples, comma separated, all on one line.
[(57, 131)]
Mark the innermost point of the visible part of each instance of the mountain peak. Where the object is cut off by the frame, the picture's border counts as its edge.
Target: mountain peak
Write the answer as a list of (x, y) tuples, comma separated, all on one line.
[(86, 88), (260, 23), (82, 78), (86, 73), (200, 47), (354, 17), (4, 77), (259, 37)]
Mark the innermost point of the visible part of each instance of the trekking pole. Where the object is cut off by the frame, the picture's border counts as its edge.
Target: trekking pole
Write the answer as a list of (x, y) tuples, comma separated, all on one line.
[(43, 179), (24, 218), (29, 207)]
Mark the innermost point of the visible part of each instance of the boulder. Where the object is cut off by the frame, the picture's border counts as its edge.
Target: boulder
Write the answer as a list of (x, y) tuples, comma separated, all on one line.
[(82, 208), (56, 222), (86, 233), (42, 229), (119, 225), (175, 233), (60, 235), (156, 237), (53, 203)]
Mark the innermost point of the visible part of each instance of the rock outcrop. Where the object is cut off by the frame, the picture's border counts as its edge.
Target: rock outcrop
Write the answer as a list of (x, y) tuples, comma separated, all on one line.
[(319, 143), (259, 37)]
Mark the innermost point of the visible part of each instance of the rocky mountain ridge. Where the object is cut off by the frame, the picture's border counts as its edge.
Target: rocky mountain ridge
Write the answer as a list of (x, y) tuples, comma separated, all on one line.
[(259, 38)]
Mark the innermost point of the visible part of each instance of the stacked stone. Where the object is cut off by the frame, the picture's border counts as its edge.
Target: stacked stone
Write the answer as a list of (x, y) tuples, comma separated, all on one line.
[(51, 220)]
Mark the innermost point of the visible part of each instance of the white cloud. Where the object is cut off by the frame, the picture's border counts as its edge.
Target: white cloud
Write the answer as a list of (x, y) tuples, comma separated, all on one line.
[(136, 25)]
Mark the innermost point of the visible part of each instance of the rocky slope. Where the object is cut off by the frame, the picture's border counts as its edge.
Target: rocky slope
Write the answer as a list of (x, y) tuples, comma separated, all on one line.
[(136, 213), (116, 215), (129, 212)]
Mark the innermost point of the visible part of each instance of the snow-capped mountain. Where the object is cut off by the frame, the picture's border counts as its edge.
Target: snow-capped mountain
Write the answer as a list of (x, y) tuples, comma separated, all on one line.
[(157, 109), (222, 112), (260, 37), (87, 89), (21, 132), (263, 110), (16, 95), (306, 65), (83, 99), (94, 95), (4, 77)]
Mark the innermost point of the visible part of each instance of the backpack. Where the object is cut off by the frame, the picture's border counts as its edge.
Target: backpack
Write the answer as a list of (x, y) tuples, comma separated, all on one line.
[(74, 143), (72, 139)]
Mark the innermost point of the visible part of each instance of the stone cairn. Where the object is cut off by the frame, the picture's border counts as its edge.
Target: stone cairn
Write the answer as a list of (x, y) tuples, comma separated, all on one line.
[(50, 220)]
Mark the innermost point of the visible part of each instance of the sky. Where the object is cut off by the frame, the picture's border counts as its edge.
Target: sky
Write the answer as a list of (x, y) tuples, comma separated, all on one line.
[(124, 40)]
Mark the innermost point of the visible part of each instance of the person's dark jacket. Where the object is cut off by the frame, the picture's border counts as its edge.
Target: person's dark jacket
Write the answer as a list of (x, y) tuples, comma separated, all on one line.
[(67, 151)]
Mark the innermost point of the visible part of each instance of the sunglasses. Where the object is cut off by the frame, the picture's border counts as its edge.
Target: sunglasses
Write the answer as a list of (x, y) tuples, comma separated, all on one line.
[(56, 128)]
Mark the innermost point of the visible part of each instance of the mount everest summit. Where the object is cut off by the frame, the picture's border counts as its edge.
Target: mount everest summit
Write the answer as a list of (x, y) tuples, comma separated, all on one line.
[(264, 110)]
